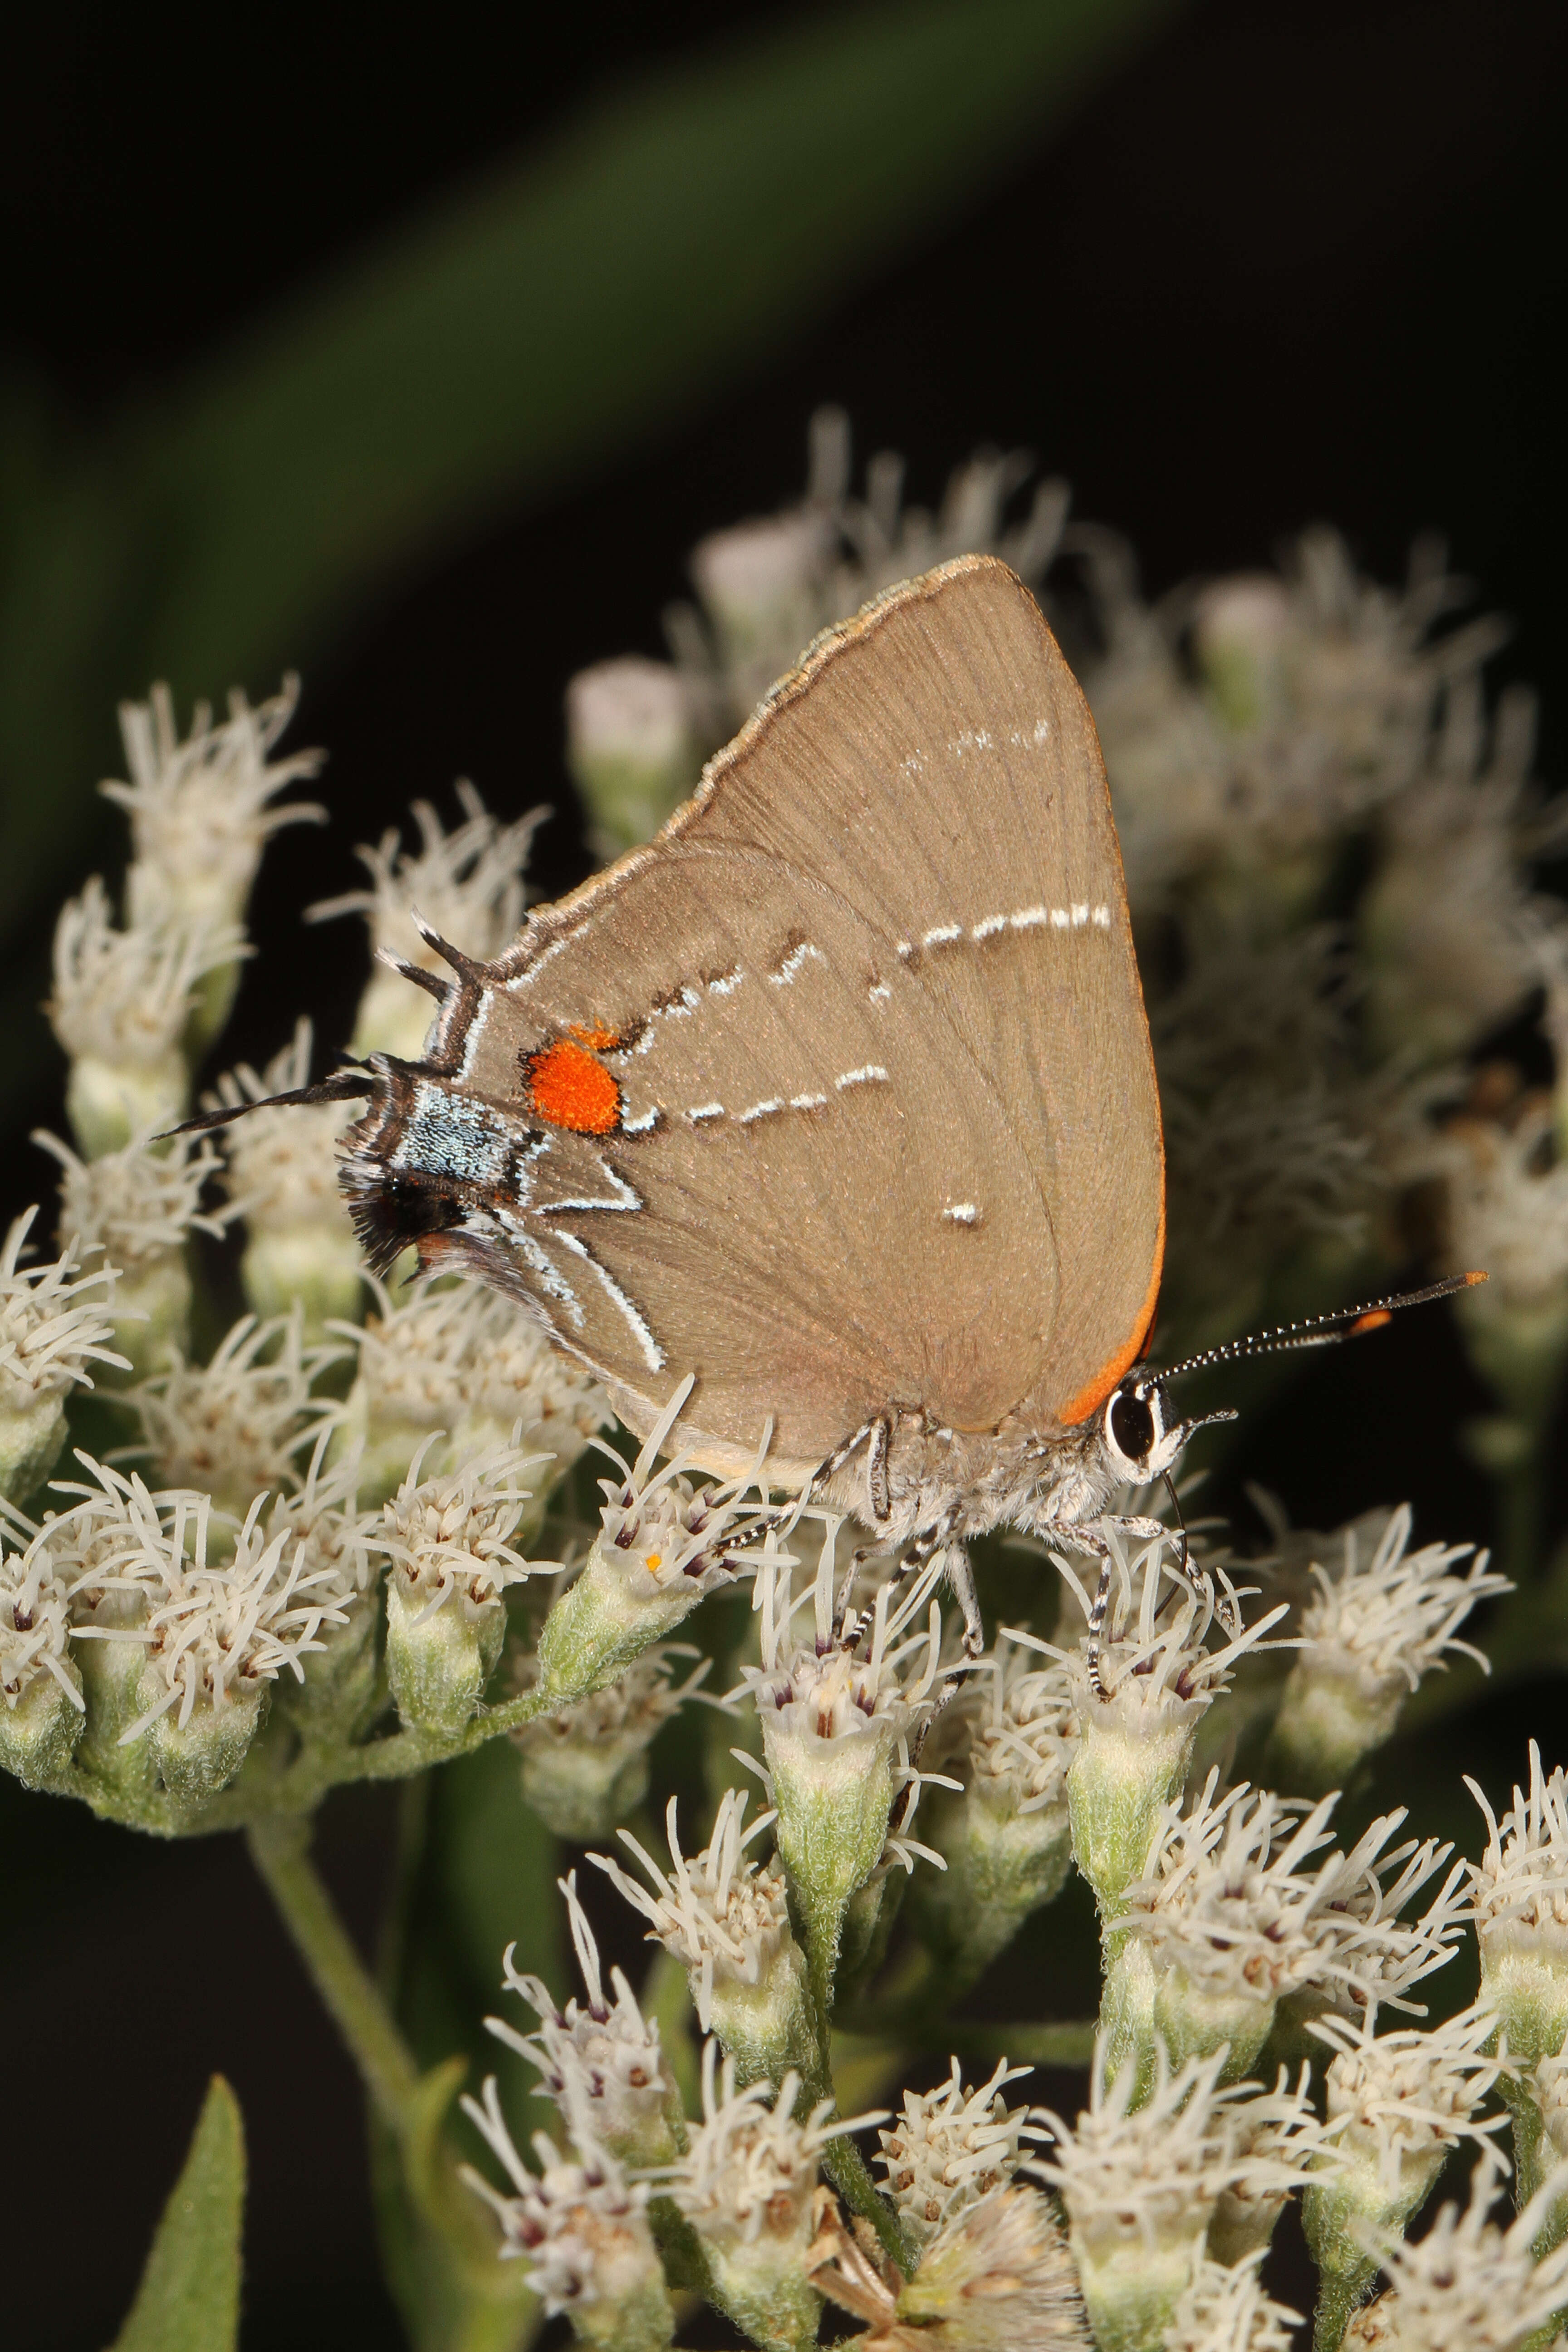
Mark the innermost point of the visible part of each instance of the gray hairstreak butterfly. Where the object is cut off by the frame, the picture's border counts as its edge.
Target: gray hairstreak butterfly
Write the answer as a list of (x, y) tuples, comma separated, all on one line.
[(837, 1098)]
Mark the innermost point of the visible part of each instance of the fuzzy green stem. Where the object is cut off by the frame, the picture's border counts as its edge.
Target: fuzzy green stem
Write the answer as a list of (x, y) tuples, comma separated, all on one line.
[(846, 2168), (280, 1851)]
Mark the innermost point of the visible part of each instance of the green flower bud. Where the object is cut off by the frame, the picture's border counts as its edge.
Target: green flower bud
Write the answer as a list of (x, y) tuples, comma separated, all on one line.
[(451, 1543), (726, 1919), (631, 747), (584, 1767)]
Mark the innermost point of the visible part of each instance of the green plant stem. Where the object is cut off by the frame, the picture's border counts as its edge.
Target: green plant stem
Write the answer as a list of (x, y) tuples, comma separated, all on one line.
[(281, 1850), (269, 1790), (846, 2168)]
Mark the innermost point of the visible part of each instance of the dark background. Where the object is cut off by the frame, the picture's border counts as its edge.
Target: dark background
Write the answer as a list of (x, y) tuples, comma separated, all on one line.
[(1296, 262)]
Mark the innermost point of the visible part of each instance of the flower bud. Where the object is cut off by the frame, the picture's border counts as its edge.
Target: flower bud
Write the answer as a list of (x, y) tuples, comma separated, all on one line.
[(631, 747), (41, 1705), (283, 1179), (1520, 1889), (662, 1545), (1397, 2106), (584, 1767), (108, 1104), (450, 1541), (583, 2228), (726, 1919)]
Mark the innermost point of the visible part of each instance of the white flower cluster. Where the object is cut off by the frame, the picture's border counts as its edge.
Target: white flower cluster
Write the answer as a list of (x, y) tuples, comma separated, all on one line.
[(466, 885), (55, 1321)]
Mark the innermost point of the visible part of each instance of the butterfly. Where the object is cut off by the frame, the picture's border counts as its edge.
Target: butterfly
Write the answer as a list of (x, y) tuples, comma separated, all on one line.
[(839, 1098)]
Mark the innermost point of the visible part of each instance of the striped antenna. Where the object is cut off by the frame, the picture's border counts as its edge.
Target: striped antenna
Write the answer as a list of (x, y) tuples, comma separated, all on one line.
[(1320, 1331)]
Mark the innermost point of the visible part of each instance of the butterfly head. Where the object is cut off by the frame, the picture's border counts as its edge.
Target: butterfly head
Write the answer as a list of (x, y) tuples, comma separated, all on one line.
[(1141, 1440)]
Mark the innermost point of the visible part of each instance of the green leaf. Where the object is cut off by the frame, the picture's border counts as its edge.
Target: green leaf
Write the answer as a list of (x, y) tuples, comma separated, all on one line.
[(654, 251), (188, 2300)]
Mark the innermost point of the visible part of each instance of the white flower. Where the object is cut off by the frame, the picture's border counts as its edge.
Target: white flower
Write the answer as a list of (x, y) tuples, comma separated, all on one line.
[(632, 745), (1468, 2285), (41, 1702), (1506, 1208), (55, 1321), (599, 2060), (585, 1766), (1156, 1683), (752, 2165), (1220, 1926), (839, 1707), (217, 1633), (583, 2228), (200, 810), (137, 1205), (1449, 932), (120, 1003), (1229, 2310), (283, 1181), (951, 2146), (1375, 1626), (1280, 2134), (1520, 1893), (232, 1427), (458, 1359), (450, 1538), (746, 2184), (1141, 2184), (725, 1917), (467, 885), (996, 2277), (452, 1544), (1397, 2104), (662, 1545)]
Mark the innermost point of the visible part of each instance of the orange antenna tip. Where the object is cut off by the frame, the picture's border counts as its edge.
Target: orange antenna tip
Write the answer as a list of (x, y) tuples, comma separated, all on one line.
[(1471, 1279)]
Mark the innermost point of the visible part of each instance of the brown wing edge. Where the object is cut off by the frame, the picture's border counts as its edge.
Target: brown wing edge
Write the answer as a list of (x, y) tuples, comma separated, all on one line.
[(543, 922)]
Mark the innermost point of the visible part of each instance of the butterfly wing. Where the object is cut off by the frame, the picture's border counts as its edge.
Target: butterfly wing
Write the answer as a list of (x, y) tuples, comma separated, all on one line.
[(935, 763), (838, 1094), (773, 1175)]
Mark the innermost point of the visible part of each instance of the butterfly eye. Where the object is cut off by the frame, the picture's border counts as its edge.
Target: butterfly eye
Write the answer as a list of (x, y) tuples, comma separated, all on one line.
[(1129, 1425)]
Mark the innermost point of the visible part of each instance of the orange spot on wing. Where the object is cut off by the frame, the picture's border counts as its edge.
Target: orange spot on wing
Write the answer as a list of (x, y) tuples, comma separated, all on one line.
[(569, 1088), (596, 1036), (1371, 1322), (1093, 1393)]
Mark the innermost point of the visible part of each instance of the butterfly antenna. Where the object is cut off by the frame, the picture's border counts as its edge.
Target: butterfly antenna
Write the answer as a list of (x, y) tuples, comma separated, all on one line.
[(1320, 1331), (341, 1087)]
